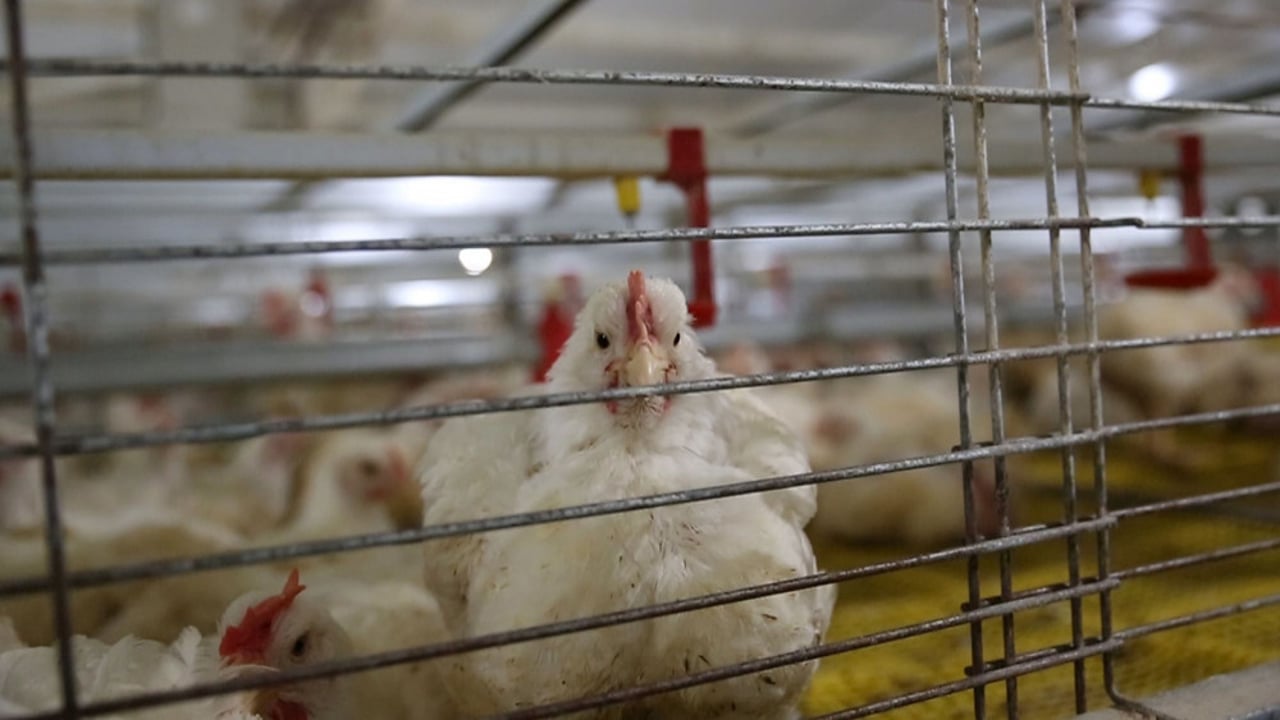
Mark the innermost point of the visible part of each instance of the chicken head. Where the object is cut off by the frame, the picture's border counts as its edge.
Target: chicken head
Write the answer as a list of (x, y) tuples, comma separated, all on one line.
[(279, 632), (630, 334)]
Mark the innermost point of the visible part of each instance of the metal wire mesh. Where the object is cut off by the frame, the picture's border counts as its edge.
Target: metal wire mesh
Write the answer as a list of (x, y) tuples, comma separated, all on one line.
[(981, 606)]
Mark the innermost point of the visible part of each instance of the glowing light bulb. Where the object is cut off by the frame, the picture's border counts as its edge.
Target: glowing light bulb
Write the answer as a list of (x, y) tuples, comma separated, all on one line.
[(475, 260), (1153, 82)]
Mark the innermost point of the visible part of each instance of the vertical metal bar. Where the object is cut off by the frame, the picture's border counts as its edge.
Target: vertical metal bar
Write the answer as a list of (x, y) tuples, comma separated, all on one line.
[(38, 348), (1093, 358), (962, 343), (995, 370), (1069, 495)]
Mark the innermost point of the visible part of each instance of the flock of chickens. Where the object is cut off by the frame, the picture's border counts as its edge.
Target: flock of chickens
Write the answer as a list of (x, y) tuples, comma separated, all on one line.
[(243, 620)]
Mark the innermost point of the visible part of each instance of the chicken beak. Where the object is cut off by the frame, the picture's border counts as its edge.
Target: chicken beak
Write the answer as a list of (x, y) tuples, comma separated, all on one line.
[(645, 365), (264, 702)]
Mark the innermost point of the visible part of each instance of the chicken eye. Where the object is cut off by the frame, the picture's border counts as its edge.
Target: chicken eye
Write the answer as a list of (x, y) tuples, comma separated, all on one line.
[(368, 468), (602, 341), (676, 341), (299, 647)]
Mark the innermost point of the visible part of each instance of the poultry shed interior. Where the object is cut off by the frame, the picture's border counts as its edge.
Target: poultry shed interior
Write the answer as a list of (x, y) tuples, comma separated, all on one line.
[(714, 359)]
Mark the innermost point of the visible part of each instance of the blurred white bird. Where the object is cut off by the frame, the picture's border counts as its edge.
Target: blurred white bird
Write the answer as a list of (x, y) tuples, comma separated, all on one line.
[(413, 437), (247, 488), (896, 417), (629, 334), (352, 482), (137, 534), (349, 485), (1171, 379), (21, 496)]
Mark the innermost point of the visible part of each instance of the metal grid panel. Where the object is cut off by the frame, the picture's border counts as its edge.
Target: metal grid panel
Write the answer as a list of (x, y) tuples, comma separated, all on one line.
[(49, 444)]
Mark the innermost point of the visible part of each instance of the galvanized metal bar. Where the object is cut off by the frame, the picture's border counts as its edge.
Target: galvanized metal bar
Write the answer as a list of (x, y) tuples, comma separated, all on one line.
[(960, 333), (1195, 501), (991, 329), (1187, 561), (1093, 359), (1069, 490), (990, 676), (224, 432), (1181, 621), (1009, 447), (763, 664), (159, 253), (426, 108), (617, 618), (348, 666), (42, 397), (98, 68), (1248, 84), (251, 556)]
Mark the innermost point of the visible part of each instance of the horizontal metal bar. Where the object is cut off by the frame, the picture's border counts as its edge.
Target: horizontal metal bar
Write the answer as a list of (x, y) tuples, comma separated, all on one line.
[(992, 94), (379, 660), (223, 250), (807, 654), (283, 552), (211, 363), (1198, 559), (250, 556), (1197, 617), (1197, 500), (986, 678), (1032, 655), (83, 444), (132, 154), (1182, 106), (89, 68), (157, 253), (1029, 592)]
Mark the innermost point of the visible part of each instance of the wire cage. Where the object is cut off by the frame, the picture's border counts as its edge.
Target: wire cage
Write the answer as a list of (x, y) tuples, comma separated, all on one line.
[(1086, 581)]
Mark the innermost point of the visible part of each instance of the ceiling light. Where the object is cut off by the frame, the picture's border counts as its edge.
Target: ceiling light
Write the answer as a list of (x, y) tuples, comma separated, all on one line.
[(1153, 82), (475, 260)]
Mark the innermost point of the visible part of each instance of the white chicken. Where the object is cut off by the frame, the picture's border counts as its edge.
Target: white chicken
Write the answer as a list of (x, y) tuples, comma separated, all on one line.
[(1171, 379), (896, 417), (21, 496), (139, 534), (377, 614), (258, 632), (247, 488), (364, 465), (413, 437), (349, 486), (629, 334)]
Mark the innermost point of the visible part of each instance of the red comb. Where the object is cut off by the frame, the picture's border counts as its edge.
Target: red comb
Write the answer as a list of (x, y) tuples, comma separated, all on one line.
[(1172, 279), (11, 301), (247, 640), (639, 314)]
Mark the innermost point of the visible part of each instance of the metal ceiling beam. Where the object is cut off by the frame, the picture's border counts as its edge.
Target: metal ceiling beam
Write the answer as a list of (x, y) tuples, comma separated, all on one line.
[(121, 154), (434, 101), (426, 109), (921, 61)]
